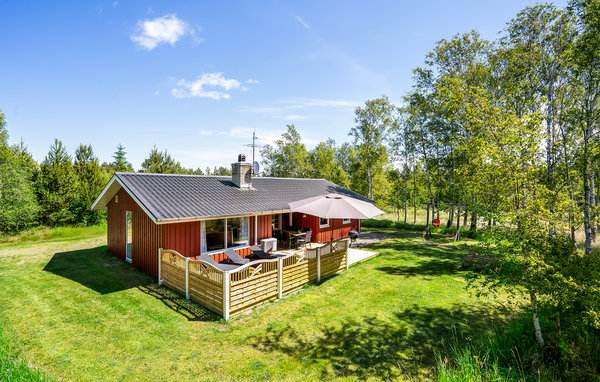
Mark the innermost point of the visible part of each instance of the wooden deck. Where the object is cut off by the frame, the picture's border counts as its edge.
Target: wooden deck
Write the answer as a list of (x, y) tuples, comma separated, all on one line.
[(232, 292)]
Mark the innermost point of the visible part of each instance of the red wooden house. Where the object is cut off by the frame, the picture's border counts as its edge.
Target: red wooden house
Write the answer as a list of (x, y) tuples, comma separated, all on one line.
[(196, 214)]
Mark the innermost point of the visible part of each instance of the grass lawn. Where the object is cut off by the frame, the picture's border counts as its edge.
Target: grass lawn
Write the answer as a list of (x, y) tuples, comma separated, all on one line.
[(78, 313)]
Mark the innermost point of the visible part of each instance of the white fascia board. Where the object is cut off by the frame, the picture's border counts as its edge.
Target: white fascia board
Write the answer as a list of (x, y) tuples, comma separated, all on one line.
[(109, 186)]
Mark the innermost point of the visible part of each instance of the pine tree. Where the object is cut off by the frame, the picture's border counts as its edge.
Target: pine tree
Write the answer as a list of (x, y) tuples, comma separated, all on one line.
[(18, 206), (91, 180), (159, 162), (120, 163), (57, 186)]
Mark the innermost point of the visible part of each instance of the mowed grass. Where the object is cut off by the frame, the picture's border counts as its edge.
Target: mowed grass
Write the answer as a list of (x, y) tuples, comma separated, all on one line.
[(78, 313)]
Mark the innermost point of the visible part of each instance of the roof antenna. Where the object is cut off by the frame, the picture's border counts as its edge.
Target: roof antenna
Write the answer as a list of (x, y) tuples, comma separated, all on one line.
[(254, 145)]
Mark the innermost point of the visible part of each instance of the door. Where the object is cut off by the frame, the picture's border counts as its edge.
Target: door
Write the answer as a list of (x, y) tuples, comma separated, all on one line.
[(129, 236)]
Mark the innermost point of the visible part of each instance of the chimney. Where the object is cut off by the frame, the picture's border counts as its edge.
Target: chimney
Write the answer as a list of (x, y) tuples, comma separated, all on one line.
[(241, 172)]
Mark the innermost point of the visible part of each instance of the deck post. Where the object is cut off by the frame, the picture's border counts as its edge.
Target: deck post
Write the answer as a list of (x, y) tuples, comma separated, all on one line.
[(159, 261), (347, 246), (280, 276), (187, 278), (255, 229), (319, 264), (226, 295)]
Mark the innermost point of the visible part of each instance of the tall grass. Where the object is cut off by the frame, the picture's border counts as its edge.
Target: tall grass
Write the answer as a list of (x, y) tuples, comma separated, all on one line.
[(511, 354), (13, 369), (39, 234)]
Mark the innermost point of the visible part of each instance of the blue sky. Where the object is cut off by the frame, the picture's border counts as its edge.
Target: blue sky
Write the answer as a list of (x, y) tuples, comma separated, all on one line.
[(196, 78)]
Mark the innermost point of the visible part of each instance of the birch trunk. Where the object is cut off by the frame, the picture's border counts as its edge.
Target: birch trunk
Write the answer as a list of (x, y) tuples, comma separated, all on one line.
[(457, 234), (536, 320), (593, 205), (406, 191)]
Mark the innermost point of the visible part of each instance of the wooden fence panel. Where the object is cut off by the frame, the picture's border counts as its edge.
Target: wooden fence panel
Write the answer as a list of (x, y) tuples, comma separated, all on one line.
[(172, 270), (206, 285), (253, 283), (296, 275), (333, 263)]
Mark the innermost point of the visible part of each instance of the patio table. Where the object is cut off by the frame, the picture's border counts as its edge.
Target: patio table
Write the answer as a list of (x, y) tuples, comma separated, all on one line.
[(296, 236)]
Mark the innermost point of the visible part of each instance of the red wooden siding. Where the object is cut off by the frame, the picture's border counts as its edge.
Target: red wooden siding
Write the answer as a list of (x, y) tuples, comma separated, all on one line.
[(183, 238), (265, 229), (115, 238), (340, 231), (147, 237)]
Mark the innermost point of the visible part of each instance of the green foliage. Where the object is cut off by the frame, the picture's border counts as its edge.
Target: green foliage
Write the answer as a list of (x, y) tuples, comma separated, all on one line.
[(369, 134), (159, 162), (120, 162), (325, 165), (510, 354), (18, 205), (57, 186), (220, 171), (289, 158), (91, 181)]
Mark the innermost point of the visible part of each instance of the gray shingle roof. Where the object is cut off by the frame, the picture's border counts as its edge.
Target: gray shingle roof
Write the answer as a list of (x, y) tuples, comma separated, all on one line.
[(176, 197)]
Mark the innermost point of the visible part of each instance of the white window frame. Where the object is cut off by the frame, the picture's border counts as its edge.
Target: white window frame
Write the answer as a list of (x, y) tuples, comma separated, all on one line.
[(346, 221), (323, 225), (225, 237)]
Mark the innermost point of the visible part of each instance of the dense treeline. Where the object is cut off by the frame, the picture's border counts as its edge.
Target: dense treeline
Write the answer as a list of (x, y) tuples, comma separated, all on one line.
[(61, 189)]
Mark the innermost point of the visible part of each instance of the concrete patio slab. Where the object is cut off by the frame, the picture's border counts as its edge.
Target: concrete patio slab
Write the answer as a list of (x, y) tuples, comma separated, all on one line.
[(357, 255)]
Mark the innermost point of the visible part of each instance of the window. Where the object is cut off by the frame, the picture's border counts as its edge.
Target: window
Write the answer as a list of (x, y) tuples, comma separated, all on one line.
[(346, 221), (214, 238), (323, 222), (275, 221), (213, 234), (237, 231)]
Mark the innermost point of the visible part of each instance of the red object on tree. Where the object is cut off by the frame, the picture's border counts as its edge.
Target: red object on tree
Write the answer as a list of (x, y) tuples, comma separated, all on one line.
[(436, 223)]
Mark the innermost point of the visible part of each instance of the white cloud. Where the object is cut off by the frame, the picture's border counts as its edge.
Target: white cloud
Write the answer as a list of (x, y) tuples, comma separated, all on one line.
[(287, 106), (302, 22), (252, 81), (198, 87), (161, 30)]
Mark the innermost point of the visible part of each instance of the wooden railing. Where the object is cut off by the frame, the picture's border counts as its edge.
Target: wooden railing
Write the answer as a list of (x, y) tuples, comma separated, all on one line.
[(231, 292)]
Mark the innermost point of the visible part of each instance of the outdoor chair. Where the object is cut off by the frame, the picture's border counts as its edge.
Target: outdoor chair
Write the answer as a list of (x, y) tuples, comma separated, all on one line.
[(234, 257), (224, 267), (258, 252), (293, 241), (305, 240)]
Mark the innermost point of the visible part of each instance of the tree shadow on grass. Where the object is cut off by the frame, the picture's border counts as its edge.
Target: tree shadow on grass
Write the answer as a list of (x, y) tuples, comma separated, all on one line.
[(178, 303), (100, 271), (97, 269), (426, 267), (407, 345), (419, 258)]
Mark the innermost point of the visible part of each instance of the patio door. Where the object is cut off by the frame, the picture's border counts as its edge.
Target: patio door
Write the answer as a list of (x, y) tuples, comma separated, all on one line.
[(129, 236)]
